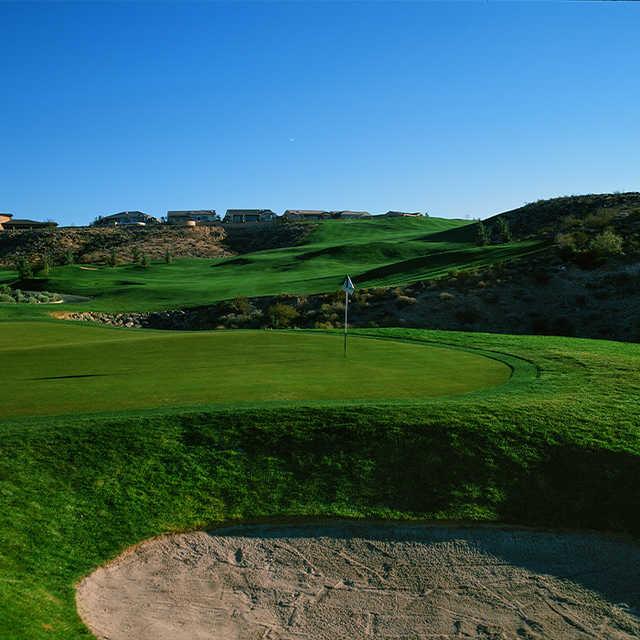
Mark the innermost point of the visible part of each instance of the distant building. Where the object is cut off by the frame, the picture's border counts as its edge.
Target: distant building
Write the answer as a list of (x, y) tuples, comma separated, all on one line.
[(4, 218), (306, 214), (243, 216), (351, 215), (126, 219), (404, 214), (199, 216), (21, 224)]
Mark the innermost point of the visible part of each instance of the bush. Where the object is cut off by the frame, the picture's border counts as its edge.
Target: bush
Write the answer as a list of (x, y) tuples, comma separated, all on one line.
[(281, 315), (608, 243)]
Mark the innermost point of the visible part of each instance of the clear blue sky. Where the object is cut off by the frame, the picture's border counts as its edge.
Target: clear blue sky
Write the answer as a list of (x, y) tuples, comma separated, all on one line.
[(456, 108)]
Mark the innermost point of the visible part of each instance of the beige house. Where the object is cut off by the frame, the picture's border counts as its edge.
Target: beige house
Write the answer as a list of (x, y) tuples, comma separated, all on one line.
[(403, 214), (4, 218), (199, 216), (306, 214)]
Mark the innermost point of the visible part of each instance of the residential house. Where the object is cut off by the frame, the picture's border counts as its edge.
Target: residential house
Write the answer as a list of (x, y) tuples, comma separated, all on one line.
[(4, 218), (306, 214), (243, 216), (351, 215), (403, 214), (126, 219), (21, 224), (199, 216)]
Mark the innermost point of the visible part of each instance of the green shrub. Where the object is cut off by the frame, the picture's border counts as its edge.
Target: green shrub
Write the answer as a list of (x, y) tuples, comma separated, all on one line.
[(482, 235), (608, 243), (281, 315), (504, 230)]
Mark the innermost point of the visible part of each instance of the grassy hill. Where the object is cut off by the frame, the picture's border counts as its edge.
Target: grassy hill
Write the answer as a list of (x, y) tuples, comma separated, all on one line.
[(377, 252)]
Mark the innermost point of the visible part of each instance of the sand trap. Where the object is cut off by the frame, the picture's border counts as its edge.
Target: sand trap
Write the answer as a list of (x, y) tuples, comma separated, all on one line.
[(344, 580)]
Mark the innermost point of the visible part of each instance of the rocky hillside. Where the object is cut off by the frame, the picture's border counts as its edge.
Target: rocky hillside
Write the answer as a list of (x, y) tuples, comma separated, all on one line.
[(88, 245), (537, 295), (593, 211)]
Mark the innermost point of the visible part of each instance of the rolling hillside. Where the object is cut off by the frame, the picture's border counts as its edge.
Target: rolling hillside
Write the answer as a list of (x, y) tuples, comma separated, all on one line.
[(378, 252)]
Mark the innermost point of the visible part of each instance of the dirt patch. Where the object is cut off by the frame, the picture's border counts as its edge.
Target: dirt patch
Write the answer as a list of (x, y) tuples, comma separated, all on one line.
[(352, 580)]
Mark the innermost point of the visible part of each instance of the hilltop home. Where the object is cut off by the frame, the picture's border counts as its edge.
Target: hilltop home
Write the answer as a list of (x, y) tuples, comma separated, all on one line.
[(306, 214), (242, 216), (403, 214), (4, 218), (21, 224), (201, 216), (126, 218), (351, 215)]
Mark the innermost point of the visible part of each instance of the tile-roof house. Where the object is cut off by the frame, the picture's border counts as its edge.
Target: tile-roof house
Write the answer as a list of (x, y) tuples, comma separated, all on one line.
[(306, 214), (126, 218), (4, 218), (195, 215), (241, 216)]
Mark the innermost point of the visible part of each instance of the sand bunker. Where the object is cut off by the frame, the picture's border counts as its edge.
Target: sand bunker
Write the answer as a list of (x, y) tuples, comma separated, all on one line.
[(344, 580)]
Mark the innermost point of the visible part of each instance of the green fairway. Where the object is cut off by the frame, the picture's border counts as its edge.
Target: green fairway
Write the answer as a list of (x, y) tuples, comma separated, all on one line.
[(58, 369), (377, 252)]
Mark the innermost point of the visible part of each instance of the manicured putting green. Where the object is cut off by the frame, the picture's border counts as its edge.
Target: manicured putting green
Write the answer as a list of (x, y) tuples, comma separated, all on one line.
[(51, 369)]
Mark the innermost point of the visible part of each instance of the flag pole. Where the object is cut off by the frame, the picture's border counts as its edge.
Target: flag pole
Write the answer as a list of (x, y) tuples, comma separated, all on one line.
[(346, 307)]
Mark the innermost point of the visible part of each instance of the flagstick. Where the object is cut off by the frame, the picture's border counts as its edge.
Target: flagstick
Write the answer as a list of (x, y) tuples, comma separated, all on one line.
[(346, 307)]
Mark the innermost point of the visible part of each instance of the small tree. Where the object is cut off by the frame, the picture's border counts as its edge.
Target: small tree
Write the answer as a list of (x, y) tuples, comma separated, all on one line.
[(505, 230), (135, 255), (24, 269), (46, 264), (144, 261), (168, 257), (112, 259), (482, 235), (69, 258)]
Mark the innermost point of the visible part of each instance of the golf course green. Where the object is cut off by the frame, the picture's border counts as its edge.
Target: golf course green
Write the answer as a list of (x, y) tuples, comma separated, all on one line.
[(111, 436), (56, 369)]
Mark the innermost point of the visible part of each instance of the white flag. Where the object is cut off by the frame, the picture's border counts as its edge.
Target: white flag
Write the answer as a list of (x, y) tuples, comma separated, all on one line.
[(347, 285)]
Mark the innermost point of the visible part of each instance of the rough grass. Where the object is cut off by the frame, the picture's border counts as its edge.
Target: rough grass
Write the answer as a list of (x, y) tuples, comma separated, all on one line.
[(556, 446)]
